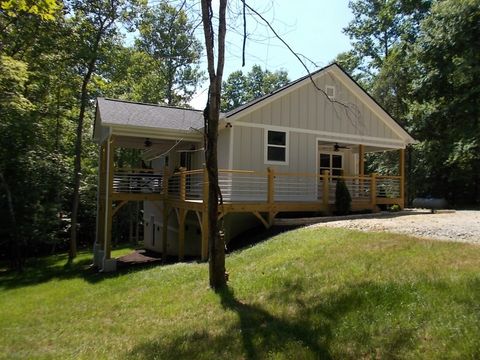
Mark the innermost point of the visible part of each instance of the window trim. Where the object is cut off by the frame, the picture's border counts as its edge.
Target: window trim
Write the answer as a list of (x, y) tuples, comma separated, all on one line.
[(330, 153), (267, 145)]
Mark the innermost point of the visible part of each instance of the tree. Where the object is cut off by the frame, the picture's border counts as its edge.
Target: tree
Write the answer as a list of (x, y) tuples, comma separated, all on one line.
[(167, 35), (45, 9), (445, 109), (240, 89), (94, 25), (379, 25), (211, 115)]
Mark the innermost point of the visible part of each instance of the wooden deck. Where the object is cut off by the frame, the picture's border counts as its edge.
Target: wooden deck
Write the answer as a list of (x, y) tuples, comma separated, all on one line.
[(263, 194)]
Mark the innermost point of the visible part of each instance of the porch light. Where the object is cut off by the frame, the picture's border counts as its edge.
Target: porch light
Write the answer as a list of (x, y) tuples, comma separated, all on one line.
[(147, 143)]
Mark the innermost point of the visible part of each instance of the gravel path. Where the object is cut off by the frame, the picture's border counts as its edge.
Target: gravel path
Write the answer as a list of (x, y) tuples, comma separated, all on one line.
[(462, 226)]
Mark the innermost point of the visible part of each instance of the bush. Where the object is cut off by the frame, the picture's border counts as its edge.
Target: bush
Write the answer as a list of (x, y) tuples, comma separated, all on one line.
[(394, 208), (343, 200)]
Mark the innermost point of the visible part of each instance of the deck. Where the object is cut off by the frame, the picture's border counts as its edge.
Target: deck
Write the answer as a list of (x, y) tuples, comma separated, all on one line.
[(242, 189)]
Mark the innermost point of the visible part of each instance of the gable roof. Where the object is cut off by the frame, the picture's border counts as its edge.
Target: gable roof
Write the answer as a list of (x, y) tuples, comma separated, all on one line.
[(266, 96), (140, 115), (335, 68), (128, 113)]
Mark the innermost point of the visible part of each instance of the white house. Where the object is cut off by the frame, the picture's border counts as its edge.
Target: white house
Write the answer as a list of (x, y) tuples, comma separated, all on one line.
[(279, 153)]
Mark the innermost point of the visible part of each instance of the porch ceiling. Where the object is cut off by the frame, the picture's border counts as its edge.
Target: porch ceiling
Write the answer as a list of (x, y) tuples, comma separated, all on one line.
[(353, 146)]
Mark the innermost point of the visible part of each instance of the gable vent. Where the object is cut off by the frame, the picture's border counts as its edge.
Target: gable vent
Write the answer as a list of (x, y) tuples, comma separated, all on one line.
[(330, 91)]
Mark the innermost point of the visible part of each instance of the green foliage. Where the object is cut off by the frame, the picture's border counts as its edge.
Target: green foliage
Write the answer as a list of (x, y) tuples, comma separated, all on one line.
[(424, 73), (240, 89), (167, 36), (42, 66), (394, 208), (45, 9), (378, 26), (343, 200), (305, 294), (445, 107)]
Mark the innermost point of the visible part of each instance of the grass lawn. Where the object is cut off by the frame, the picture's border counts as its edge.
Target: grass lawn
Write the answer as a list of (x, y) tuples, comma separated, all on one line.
[(305, 294)]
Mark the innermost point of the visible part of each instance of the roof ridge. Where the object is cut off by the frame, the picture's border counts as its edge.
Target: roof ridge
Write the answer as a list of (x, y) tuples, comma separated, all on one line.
[(284, 87)]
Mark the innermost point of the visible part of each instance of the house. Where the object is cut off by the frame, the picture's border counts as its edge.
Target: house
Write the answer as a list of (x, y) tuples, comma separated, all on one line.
[(279, 153)]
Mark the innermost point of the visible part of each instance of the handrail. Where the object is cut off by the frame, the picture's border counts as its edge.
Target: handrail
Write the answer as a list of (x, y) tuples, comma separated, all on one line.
[(139, 170), (259, 186), (388, 177)]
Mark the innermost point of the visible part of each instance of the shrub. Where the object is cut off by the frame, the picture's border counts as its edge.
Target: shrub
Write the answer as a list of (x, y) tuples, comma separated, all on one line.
[(343, 200), (395, 208)]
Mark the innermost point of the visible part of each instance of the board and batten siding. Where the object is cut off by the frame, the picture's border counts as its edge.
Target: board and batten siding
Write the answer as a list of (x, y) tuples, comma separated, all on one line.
[(306, 108)]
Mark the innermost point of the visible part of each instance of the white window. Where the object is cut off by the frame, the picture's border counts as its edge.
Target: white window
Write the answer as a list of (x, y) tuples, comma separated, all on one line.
[(276, 147), (330, 91), (333, 162)]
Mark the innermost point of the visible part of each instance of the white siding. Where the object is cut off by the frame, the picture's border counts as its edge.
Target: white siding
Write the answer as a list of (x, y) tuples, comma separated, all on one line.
[(308, 108)]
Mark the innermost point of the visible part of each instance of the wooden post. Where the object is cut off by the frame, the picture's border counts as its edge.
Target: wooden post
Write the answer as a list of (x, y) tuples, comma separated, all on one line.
[(101, 221), (164, 230), (183, 184), (271, 195), (361, 163), (181, 234), (205, 216), (326, 190), (109, 203), (401, 168), (165, 215), (373, 191)]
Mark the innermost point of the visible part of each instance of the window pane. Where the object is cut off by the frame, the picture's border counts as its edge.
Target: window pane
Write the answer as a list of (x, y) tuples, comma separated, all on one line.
[(337, 161), (325, 161), (336, 172), (276, 153), (277, 138)]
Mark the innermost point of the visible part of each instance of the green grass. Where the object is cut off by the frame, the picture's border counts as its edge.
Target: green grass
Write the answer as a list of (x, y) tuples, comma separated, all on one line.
[(305, 294)]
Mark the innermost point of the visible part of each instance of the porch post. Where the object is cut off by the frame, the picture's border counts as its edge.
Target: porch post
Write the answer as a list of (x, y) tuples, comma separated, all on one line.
[(361, 163), (204, 248), (108, 263), (181, 233), (373, 191), (100, 234), (165, 215), (401, 167), (183, 184)]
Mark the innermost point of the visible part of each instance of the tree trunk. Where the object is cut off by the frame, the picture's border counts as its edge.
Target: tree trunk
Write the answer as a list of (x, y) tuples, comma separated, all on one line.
[(211, 115), (77, 174), (16, 261)]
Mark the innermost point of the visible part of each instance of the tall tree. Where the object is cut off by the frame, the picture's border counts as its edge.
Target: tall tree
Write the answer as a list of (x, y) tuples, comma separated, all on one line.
[(95, 27), (379, 25), (445, 110), (167, 35), (212, 115), (240, 88)]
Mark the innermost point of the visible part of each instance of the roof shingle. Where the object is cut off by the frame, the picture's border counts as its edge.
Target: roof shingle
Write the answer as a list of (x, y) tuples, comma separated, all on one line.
[(120, 112)]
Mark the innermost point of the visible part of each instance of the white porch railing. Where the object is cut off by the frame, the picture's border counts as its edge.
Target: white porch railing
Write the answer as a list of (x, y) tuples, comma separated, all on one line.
[(251, 186)]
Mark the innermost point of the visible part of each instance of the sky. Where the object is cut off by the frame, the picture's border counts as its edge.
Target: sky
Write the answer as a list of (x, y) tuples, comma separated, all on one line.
[(312, 28)]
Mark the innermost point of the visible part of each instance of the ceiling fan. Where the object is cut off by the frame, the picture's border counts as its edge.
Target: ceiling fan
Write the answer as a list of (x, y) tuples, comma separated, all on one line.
[(337, 147)]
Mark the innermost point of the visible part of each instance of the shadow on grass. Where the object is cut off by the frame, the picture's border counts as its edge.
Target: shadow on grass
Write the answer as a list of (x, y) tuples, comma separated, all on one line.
[(362, 320), (261, 330), (57, 267)]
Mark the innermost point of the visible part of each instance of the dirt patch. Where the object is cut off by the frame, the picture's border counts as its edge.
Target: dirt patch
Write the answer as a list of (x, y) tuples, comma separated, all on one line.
[(462, 226)]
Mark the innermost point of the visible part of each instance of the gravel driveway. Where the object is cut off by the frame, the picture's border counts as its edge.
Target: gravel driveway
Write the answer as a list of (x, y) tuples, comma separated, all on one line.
[(462, 226)]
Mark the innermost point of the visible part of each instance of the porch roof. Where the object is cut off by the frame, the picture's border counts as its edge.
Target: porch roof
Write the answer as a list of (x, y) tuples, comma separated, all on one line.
[(113, 112)]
